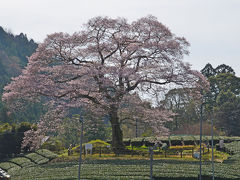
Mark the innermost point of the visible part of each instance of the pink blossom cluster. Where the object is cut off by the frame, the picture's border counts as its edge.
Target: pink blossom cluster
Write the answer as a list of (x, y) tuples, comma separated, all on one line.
[(101, 65)]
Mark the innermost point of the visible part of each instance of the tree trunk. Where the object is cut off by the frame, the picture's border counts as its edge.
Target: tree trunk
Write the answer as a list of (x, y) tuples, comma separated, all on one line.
[(117, 135)]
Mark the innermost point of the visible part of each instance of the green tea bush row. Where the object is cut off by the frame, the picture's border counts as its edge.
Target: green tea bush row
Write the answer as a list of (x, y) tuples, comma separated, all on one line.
[(128, 169), (178, 140), (27, 161), (22, 161), (38, 159), (233, 147), (8, 165), (46, 153), (134, 169)]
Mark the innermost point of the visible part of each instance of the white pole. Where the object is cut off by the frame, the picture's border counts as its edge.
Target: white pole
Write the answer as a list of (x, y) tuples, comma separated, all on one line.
[(200, 158), (212, 149), (151, 162), (80, 157)]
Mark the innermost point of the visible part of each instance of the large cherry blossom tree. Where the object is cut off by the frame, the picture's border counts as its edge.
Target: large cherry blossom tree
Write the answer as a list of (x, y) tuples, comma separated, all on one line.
[(108, 60)]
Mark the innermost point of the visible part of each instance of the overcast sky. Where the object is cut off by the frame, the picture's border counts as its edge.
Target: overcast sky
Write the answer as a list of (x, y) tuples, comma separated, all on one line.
[(211, 26)]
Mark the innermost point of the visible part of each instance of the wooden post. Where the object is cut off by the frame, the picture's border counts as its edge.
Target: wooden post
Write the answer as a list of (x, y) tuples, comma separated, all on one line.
[(165, 152), (100, 152)]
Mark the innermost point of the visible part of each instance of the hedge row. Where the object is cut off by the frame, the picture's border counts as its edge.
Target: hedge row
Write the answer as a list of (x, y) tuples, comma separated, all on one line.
[(41, 156), (129, 169), (9, 167), (135, 169), (190, 178), (46, 153), (37, 159), (177, 140)]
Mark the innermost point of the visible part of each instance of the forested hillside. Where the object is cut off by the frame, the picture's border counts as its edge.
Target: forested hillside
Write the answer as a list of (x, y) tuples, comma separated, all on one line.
[(13, 54), (14, 50)]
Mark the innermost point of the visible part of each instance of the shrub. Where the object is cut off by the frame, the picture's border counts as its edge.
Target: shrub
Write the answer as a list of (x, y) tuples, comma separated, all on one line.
[(98, 143), (96, 146), (181, 148)]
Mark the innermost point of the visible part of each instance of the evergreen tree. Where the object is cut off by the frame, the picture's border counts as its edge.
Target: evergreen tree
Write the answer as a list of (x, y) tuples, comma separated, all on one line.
[(228, 113), (223, 97)]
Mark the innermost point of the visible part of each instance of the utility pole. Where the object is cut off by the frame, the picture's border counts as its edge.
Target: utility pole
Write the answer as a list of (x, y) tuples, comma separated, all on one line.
[(151, 162), (136, 127), (80, 157), (201, 119), (212, 148), (200, 157)]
